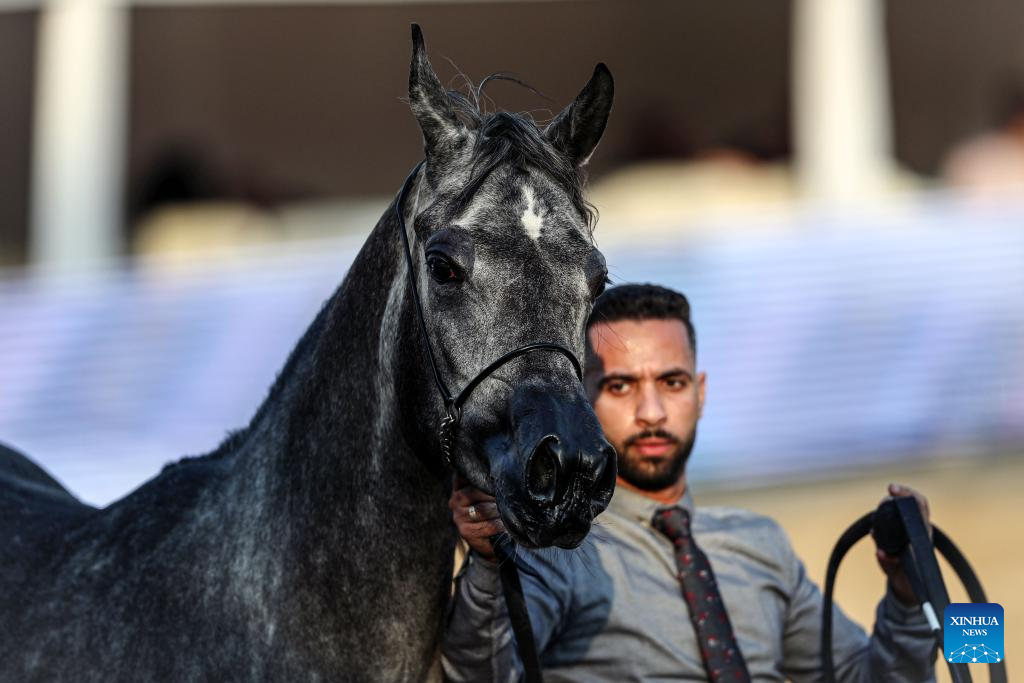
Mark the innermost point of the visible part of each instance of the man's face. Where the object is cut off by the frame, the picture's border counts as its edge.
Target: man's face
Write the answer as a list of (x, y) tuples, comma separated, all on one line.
[(645, 389)]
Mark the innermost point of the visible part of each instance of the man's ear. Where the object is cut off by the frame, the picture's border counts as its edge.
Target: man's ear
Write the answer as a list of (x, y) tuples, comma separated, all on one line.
[(443, 132), (578, 128)]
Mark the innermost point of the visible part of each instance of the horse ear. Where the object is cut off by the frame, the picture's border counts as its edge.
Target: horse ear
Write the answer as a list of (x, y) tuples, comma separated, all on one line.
[(430, 103), (578, 128)]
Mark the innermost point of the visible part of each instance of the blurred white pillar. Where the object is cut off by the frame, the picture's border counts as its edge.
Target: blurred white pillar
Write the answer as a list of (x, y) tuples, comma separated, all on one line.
[(841, 109), (78, 133)]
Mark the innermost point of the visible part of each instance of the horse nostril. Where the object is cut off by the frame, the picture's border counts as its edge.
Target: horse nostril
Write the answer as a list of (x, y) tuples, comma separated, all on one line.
[(542, 471)]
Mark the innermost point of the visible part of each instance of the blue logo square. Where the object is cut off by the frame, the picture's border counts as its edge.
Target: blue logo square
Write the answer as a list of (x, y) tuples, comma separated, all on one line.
[(972, 632)]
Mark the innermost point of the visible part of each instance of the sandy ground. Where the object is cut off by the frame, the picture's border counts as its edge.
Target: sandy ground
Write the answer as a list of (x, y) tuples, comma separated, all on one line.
[(978, 502)]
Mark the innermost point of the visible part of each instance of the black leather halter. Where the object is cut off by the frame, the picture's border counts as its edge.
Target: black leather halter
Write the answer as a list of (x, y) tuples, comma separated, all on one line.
[(453, 404)]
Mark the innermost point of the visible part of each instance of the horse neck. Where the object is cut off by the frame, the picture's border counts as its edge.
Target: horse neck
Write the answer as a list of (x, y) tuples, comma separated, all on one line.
[(332, 442)]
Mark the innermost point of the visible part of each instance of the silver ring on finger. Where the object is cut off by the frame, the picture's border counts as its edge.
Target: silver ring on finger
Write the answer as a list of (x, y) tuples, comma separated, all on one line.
[(474, 515)]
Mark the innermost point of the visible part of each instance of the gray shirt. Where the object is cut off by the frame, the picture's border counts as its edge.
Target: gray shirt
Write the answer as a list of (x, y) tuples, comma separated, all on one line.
[(612, 609)]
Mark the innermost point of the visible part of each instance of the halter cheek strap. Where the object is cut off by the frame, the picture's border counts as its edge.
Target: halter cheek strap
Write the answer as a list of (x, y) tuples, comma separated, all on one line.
[(453, 404)]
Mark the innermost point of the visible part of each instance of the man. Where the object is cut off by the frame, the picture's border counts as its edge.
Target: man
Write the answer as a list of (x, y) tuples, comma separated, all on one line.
[(662, 590)]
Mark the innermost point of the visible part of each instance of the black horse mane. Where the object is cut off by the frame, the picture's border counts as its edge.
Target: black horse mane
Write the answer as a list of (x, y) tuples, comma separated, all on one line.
[(514, 139)]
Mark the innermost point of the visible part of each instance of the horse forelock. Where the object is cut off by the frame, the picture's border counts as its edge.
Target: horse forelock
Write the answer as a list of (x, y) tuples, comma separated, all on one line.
[(513, 140)]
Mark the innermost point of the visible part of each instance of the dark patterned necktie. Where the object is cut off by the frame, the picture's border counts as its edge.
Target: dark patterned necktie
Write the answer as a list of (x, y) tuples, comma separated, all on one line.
[(722, 658)]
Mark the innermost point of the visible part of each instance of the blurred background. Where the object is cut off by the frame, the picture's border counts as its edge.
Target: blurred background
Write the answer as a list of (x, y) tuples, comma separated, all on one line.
[(837, 186)]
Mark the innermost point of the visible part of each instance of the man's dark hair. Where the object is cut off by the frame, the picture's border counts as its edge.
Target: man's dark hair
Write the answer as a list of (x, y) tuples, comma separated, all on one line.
[(643, 302)]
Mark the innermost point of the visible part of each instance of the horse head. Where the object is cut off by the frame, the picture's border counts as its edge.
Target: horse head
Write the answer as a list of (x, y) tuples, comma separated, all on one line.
[(504, 256)]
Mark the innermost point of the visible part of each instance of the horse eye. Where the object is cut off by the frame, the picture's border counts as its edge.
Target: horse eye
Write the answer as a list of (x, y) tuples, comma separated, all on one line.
[(442, 270)]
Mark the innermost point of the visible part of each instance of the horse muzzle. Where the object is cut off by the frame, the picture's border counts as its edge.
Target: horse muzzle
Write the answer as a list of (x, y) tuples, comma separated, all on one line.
[(560, 473)]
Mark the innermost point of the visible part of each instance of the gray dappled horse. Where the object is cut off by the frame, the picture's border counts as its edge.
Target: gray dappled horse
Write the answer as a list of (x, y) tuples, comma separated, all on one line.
[(316, 544)]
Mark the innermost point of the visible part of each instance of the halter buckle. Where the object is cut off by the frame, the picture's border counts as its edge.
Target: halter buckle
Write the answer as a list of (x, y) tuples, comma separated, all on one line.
[(446, 432)]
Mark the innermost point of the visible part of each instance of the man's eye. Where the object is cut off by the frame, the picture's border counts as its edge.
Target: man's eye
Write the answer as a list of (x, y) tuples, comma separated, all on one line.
[(675, 383), (442, 270), (617, 388)]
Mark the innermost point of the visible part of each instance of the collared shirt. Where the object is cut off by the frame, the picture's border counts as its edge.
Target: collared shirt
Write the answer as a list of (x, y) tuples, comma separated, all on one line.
[(612, 609)]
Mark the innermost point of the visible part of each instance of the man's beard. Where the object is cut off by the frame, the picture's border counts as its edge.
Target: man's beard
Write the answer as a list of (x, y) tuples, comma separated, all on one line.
[(655, 474)]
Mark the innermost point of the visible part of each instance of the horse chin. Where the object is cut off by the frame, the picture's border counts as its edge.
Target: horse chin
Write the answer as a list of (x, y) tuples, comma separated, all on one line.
[(528, 533), (517, 533), (570, 533), (571, 541)]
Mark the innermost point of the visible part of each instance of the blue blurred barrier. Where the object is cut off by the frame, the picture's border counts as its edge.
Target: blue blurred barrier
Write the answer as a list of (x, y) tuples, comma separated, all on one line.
[(831, 344)]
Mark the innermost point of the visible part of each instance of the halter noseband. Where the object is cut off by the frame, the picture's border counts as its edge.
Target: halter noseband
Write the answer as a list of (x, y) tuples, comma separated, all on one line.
[(453, 405)]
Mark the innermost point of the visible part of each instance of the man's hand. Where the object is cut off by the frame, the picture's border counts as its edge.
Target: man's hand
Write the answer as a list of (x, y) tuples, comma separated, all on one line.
[(476, 516), (891, 564)]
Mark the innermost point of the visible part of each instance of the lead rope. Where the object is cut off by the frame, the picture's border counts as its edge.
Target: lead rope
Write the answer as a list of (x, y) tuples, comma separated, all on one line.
[(511, 585), (906, 528), (518, 613)]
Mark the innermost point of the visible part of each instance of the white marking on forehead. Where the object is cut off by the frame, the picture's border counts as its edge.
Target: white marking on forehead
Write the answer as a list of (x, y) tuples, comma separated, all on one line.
[(532, 220)]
